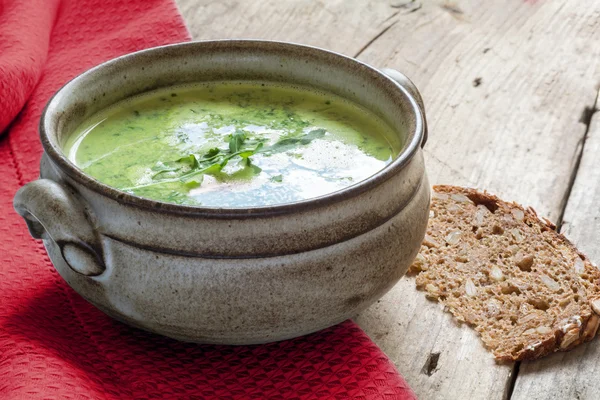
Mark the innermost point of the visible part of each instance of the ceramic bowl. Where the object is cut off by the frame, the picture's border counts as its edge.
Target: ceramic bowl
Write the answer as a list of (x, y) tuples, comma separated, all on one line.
[(230, 275)]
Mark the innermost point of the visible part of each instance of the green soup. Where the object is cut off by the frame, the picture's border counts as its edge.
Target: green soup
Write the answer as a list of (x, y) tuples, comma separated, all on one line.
[(233, 144)]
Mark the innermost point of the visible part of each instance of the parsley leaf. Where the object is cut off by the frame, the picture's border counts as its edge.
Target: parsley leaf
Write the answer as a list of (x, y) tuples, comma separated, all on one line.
[(212, 169), (212, 153), (292, 142), (250, 152), (193, 182), (160, 167), (248, 164), (191, 160), (236, 141), (215, 159)]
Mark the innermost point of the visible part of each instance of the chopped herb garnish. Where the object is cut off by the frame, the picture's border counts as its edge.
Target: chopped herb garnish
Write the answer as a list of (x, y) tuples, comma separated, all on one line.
[(236, 140), (277, 178), (194, 182), (292, 142), (191, 160), (211, 153), (160, 167), (215, 159)]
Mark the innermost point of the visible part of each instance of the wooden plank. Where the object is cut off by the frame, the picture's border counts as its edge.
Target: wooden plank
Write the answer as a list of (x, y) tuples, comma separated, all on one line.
[(338, 25), (573, 375), (504, 84)]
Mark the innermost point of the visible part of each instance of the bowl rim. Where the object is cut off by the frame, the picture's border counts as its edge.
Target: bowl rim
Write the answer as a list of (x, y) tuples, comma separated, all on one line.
[(55, 153)]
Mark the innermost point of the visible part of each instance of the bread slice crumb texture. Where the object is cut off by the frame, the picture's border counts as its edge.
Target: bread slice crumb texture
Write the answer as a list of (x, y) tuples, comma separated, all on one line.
[(524, 287)]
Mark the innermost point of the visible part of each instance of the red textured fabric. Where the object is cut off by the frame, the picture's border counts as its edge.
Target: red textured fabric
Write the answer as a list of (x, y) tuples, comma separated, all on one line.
[(53, 344), (22, 56)]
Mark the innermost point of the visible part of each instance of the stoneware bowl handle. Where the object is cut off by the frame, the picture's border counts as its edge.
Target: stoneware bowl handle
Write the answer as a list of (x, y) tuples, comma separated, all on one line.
[(412, 89), (51, 211)]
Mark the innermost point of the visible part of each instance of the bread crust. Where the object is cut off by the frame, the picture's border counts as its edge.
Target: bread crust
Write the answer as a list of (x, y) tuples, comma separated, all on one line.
[(501, 268)]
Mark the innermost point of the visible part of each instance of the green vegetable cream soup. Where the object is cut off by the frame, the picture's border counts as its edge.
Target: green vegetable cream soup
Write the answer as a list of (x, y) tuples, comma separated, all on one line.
[(232, 144)]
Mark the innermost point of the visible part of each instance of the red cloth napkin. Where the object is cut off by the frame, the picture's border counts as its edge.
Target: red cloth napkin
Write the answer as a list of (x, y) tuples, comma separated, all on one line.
[(53, 344)]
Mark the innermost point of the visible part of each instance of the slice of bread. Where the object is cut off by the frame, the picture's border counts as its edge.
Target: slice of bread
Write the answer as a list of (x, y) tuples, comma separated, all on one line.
[(497, 266)]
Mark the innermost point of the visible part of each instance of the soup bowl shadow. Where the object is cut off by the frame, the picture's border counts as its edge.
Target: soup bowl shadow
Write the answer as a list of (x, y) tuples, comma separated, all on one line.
[(231, 275)]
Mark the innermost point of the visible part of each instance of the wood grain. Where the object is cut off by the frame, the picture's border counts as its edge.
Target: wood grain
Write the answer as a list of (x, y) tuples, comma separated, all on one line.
[(573, 375), (338, 25), (505, 84)]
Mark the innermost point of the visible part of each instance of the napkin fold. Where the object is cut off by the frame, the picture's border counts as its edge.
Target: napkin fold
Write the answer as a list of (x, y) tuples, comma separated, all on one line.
[(53, 344), (25, 28)]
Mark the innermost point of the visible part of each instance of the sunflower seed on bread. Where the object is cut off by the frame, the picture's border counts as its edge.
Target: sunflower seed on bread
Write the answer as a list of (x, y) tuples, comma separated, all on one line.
[(524, 287)]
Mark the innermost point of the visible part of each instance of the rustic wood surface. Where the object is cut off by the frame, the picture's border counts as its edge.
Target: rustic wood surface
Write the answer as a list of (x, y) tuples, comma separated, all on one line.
[(573, 375), (510, 89)]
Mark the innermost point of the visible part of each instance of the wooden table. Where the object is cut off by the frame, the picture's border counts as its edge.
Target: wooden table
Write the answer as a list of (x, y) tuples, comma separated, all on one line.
[(510, 87)]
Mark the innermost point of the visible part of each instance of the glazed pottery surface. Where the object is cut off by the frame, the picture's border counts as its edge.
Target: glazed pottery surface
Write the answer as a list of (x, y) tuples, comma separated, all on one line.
[(237, 275)]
